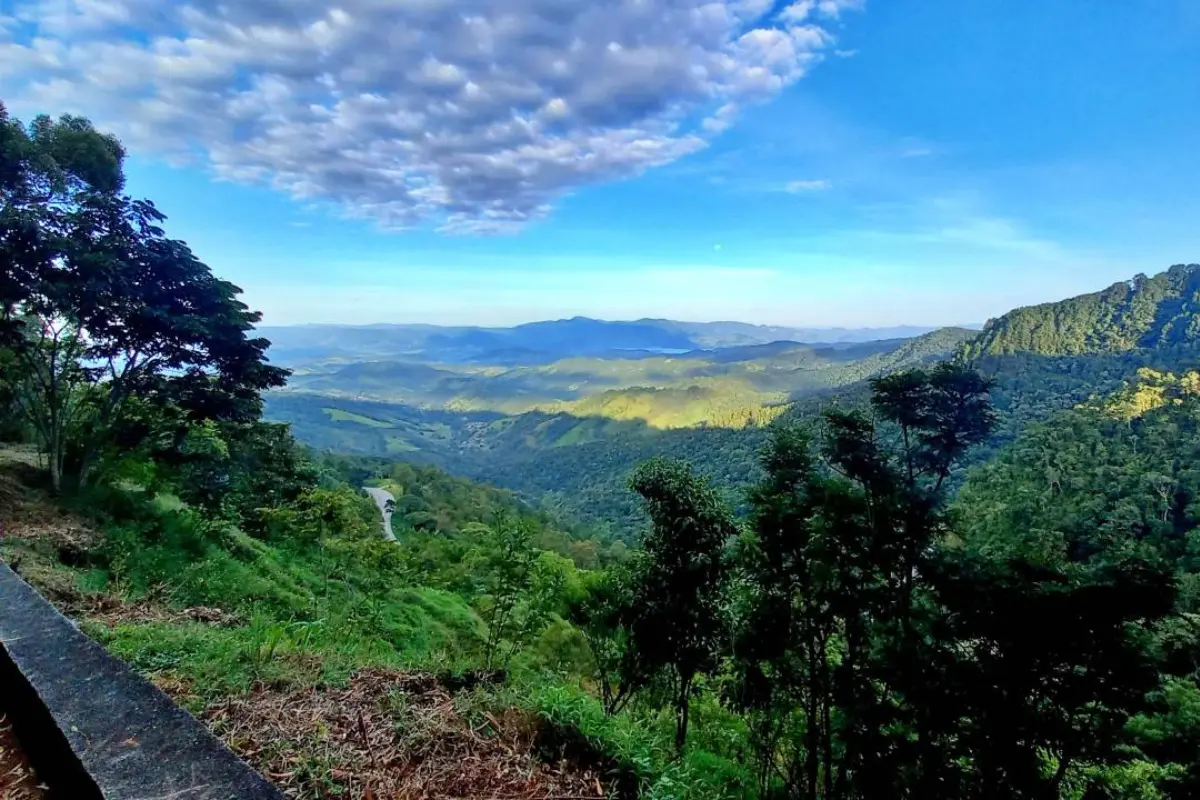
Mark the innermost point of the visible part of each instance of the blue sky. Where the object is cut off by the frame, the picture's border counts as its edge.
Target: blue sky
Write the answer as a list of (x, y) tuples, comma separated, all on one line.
[(845, 163)]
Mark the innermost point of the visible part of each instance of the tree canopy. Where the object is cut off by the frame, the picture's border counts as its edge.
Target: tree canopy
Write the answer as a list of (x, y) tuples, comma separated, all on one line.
[(98, 304)]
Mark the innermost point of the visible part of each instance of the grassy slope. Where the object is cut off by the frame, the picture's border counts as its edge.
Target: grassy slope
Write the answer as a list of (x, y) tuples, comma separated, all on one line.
[(288, 653)]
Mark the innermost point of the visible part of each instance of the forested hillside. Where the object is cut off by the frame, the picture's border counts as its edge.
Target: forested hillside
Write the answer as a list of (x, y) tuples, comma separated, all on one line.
[(814, 610), (1141, 313)]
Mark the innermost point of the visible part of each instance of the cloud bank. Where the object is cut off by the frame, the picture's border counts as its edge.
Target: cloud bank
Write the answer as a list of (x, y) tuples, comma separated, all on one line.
[(470, 115)]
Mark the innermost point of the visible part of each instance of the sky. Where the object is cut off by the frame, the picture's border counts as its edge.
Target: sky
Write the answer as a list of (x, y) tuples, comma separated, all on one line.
[(809, 162)]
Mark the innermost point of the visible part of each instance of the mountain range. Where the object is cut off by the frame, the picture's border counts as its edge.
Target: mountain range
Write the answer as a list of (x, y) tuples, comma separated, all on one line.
[(543, 342), (561, 411), (567, 432), (730, 386)]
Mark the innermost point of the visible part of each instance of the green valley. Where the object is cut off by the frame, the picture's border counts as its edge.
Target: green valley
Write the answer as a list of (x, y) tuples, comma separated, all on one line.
[(566, 433), (712, 408), (729, 387)]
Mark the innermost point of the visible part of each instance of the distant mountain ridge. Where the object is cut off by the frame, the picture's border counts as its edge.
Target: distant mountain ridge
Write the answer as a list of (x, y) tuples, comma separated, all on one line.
[(716, 335), (544, 342), (730, 386)]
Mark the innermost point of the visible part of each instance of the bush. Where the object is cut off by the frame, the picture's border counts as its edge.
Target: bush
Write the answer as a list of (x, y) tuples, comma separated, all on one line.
[(638, 759)]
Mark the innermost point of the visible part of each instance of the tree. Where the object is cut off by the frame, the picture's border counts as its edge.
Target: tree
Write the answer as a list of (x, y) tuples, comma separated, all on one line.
[(99, 305), (1047, 665), (788, 626), (833, 654), (50, 387), (46, 170), (603, 615), (11, 420), (677, 626), (512, 562)]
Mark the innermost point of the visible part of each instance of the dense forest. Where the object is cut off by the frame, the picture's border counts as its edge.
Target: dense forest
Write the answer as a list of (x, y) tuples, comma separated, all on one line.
[(973, 578), (1143, 312)]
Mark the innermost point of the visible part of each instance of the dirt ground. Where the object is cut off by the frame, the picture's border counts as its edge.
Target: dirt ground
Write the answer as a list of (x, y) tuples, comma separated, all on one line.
[(391, 735), (17, 781)]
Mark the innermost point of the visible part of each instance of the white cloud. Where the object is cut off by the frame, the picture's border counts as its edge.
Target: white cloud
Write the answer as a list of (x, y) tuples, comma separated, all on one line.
[(912, 147), (834, 8), (796, 187), (798, 12), (471, 115), (801, 10)]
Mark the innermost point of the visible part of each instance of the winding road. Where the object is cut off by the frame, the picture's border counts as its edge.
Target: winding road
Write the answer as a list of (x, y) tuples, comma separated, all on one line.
[(381, 498)]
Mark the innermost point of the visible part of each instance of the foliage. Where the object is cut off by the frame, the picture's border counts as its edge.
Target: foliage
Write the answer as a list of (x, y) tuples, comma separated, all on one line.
[(1122, 471), (435, 510), (675, 625), (1047, 666), (603, 614), (99, 305), (835, 608), (519, 592), (1140, 313), (1110, 483)]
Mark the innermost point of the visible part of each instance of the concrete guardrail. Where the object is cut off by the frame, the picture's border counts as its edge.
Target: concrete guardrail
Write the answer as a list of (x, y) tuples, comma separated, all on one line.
[(95, 730)]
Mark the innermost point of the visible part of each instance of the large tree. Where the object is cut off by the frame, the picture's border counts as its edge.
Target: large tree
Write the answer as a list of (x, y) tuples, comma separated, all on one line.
[(98, 304)]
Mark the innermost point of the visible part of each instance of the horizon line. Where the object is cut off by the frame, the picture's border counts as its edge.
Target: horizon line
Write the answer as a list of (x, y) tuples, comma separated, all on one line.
[(843, 327)]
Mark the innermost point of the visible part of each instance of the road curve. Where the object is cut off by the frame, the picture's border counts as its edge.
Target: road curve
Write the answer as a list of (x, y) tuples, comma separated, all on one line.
[(381, 498)]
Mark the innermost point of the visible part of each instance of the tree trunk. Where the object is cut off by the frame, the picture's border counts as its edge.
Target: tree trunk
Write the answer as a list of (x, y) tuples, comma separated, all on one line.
[(826, 719), (682, 709), (1064, 763), (54, 461), (812, 728), (85, 469)]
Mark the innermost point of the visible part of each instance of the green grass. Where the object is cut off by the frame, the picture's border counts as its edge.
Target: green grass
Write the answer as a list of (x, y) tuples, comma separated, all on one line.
[(418, 628), (586, 431), (636, 749), (341, 415), (308, 613), (398, 444)]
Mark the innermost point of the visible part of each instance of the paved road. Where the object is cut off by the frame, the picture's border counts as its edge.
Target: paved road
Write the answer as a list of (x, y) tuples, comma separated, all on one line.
[(381, 498)]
